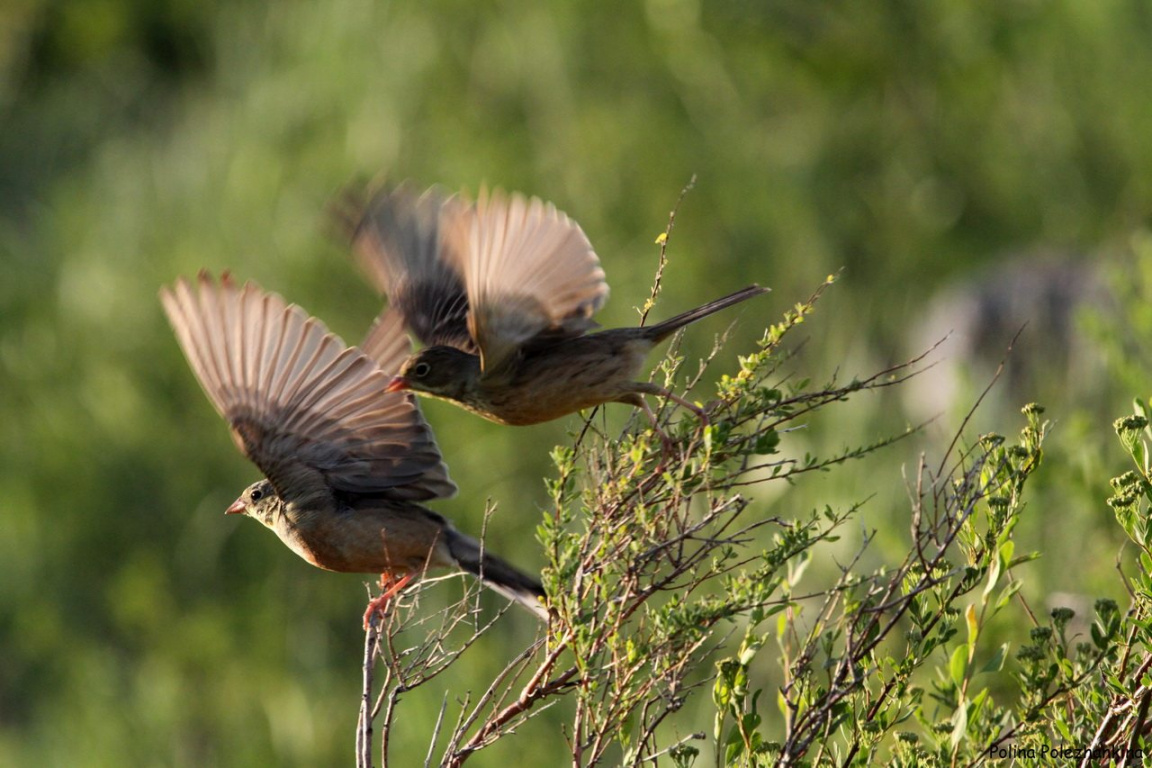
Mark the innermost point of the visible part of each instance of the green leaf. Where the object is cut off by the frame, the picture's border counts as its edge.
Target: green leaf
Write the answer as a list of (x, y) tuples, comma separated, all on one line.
[(1006, 551), (993, 573), (1025, 558), (977, 704), (1008, 593), (996, 663), (767, 442), (797, 566), (958, 665), (959, 724)]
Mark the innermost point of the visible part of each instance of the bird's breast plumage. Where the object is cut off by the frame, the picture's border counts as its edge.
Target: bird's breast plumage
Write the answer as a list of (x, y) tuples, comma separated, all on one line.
[(374, 537)]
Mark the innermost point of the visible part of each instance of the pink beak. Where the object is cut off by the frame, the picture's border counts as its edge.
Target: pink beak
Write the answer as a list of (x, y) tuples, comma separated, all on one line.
[(238, 508), (398, 384)]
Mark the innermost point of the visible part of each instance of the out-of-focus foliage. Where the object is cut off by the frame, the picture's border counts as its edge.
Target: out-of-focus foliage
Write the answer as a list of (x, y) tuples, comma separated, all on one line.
[(905, 142)]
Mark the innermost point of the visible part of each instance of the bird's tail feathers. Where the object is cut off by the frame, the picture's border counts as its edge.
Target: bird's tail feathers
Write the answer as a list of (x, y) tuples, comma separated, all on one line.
[(663, 330), (498, 575)]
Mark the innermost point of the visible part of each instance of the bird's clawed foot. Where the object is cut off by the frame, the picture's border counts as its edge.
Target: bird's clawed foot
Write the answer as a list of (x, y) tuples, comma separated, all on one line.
[(390, 586)]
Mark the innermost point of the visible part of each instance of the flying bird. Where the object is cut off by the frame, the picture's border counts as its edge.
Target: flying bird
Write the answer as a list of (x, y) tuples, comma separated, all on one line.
[(345, 462), (501, 292)]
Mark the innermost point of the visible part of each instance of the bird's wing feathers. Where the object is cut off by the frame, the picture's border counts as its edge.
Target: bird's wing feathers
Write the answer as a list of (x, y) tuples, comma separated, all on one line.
[(400, 244), (528, 269), (309, 411), (386, 343)]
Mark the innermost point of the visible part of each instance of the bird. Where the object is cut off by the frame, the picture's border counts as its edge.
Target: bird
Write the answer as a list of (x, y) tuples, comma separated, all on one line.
[(345, 462), (501, 293)]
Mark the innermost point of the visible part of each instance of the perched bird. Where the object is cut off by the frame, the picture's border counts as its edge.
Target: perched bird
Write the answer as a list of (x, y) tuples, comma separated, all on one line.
[(345, 461), (501, 292)]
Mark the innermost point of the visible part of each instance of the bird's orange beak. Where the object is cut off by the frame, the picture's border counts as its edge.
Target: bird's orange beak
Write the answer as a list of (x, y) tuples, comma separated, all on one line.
[(398, 384), (238, 508)]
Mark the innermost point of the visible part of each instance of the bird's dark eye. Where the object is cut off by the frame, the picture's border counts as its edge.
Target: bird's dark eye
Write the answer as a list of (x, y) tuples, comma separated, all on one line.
[(421, 370), (257, 494)]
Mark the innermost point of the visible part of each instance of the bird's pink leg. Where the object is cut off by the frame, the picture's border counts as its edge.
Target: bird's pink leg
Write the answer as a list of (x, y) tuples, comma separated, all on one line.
[(390, 586), (636, 398), (648, 388)]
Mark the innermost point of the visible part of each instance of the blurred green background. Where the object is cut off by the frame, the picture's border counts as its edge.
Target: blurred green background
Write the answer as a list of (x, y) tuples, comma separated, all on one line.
[(911, 144)]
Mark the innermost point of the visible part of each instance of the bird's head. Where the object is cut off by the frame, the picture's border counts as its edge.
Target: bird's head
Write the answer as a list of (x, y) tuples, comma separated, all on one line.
[(438, 371), (259, 501)]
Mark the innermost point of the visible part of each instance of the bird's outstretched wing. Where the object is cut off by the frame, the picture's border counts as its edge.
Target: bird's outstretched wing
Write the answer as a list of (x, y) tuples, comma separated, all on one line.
[(529, 270), (400, 243), (309, 411), (386, 343)]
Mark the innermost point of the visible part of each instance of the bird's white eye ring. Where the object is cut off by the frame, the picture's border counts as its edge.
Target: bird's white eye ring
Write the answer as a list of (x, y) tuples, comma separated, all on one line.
[(421, 370)]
